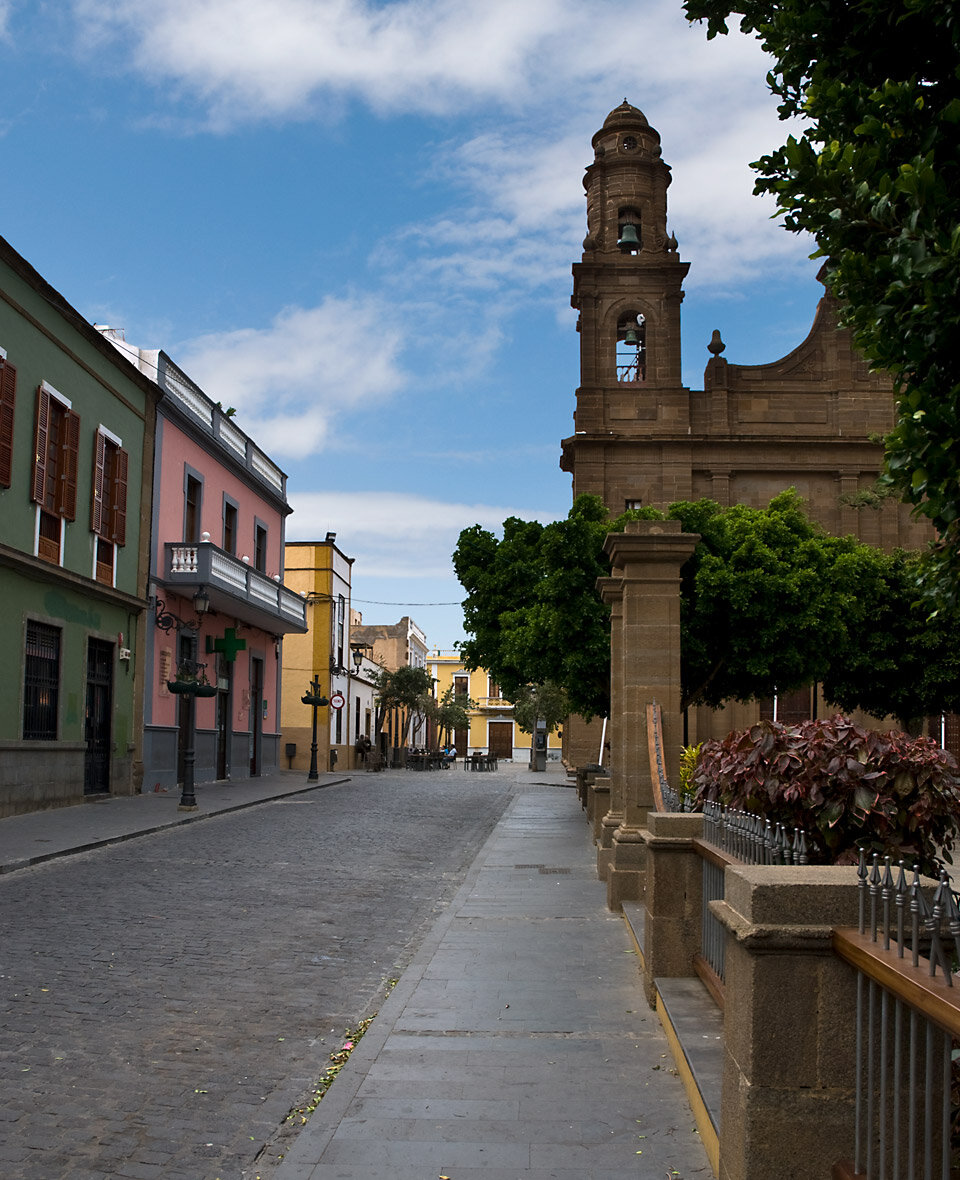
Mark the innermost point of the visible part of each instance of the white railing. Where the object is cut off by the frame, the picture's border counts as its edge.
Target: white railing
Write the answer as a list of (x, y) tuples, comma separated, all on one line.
[(183, 559), (235, 439), (196, 402), (206, 565), (265, 469), (227, 570)]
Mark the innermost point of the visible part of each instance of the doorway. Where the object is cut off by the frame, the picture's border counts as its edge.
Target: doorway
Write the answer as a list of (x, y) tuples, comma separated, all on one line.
[(224, 679), (500, 737), (256, 715), (96, 761)]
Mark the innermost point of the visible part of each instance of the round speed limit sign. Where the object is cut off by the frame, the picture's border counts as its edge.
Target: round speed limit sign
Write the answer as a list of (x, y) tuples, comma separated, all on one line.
[(336, 701)]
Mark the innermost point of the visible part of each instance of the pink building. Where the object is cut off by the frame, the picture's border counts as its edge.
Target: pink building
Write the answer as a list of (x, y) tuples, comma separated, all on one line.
[(220, 606)]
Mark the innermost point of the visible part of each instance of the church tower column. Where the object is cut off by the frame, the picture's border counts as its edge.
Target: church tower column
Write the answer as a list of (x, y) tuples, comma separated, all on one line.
[(628, 288)]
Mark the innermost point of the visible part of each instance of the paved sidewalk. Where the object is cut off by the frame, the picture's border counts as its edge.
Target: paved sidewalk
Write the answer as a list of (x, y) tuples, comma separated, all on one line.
[(518, 1043), (42, 835)]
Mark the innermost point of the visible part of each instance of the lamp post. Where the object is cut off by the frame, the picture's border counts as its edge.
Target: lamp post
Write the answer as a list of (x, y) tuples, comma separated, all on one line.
[(191, 682), (315, 698)]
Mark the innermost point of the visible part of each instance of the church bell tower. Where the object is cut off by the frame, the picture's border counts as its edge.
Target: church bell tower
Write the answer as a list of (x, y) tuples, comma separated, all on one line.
[(628, 289)]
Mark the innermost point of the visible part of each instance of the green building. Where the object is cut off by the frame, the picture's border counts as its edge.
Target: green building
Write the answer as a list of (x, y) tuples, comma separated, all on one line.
[(77, 425)]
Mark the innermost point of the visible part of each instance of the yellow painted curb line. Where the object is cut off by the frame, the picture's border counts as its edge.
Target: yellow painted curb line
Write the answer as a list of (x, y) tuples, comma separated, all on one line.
[(701, 1117)]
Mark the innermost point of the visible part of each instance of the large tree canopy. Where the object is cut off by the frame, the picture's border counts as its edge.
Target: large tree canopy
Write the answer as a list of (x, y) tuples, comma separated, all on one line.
[(770, 602), (875, 177), (532, 609), (897, 658)]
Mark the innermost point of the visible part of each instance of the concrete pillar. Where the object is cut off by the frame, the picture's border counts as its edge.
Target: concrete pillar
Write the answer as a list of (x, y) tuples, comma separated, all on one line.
[(646, 559), (611, 591), (789, 1022), (673, 898)]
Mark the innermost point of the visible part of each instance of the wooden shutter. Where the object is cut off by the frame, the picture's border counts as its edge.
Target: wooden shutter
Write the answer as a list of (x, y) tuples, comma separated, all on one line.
[(8, 387), (69, 454), (40, 446), (118, 507), (96, 504)]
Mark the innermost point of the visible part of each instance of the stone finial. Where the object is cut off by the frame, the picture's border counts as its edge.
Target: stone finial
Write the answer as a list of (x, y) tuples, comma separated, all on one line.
[(716, 345)]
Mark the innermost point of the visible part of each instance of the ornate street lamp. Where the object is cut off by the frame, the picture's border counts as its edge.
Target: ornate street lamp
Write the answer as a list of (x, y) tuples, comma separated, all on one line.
[(191, 682), (315, 698)]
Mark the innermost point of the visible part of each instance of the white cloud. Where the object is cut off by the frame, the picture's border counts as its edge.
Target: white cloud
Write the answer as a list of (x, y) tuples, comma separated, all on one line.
[(395, 534), (290, 382), (250, 60), (549, 69)]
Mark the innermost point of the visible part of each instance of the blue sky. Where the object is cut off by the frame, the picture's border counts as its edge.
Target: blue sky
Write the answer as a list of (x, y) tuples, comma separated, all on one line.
[(355, 223)]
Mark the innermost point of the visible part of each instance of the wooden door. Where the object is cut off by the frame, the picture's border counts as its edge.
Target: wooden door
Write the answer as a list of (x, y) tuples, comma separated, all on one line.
[(500, 738)]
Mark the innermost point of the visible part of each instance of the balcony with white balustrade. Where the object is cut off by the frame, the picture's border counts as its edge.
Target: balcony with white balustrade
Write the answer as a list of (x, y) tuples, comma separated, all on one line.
[(233, 587)]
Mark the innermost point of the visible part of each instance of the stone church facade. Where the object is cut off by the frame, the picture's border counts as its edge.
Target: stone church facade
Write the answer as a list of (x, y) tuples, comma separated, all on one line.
[(809, 420)]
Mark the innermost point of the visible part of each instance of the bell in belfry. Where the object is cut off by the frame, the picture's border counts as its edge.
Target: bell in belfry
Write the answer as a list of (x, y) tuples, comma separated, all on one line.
[(629, 238), (632, 337)]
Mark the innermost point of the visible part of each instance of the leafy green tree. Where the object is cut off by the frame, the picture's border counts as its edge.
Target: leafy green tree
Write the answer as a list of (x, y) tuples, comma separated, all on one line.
[(547, 702), (874, 176), (532, 610), (451, 712), (766, 599), (898, 658), (770, 602), (408, 689)]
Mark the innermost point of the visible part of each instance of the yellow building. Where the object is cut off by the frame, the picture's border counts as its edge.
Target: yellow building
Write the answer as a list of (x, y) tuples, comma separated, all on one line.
[(321, 573), (493, 729)]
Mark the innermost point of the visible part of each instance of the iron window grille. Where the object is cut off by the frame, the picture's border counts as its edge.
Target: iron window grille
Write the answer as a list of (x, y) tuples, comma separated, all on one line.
[(41, 683)]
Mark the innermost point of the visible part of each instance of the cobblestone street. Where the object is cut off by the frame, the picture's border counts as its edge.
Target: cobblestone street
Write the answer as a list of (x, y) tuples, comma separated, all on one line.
[(165, 1002)]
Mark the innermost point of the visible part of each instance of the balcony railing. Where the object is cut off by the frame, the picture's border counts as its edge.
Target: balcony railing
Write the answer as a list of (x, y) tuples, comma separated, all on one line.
[(218, 423), (233, 587), (494, 703)]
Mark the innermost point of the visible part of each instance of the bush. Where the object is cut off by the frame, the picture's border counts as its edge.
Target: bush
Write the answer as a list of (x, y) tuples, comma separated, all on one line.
[(846, 787)]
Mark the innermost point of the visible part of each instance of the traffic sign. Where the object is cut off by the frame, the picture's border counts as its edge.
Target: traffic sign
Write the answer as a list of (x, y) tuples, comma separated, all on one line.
[(337, 701)]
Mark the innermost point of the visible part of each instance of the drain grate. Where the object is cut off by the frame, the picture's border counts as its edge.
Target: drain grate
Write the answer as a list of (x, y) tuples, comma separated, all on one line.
[(549, 872)]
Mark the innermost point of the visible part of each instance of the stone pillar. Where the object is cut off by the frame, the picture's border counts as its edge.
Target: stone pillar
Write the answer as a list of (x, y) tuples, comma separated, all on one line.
[(789, 1022), (646, 558), (611, 591), (673, 898)]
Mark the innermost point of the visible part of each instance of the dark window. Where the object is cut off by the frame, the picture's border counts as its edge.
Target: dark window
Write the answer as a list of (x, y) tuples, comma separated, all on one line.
[(104, 561), (108, 509), (461, 686), (41, 682), (8, 390), (229, 527), (193, 492), (260, 548), (56, 447), (341, 624)]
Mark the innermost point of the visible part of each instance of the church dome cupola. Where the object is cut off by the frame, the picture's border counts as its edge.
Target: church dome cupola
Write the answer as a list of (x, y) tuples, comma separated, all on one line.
[(626, 131), (626, 188)]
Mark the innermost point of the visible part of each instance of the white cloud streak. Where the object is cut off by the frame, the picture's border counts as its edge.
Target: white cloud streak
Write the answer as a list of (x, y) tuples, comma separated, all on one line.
[(291, 381), (530, 83), (397, 534)]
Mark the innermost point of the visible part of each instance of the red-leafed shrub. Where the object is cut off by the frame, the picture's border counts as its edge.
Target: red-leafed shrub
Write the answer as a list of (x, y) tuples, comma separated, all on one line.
[(846, 787)]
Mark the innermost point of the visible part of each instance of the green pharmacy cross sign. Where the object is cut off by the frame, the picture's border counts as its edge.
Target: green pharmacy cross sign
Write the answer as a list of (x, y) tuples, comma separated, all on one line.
[(228, 646)]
